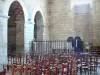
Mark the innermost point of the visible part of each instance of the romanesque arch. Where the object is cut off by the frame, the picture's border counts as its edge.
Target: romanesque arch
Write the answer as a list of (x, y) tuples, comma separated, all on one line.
[(38, 27), (15, 28)]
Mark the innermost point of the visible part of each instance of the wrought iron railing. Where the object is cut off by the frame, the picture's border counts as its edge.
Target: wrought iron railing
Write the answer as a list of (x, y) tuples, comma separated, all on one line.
[(55, 46)]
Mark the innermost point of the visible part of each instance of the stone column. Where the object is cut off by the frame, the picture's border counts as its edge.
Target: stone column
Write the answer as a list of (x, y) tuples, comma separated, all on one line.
[(28, 35), (40, 29), (3, 38), (20, 36)]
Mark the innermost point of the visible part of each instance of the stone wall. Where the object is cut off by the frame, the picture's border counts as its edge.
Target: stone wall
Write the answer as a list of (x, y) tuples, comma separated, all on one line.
[(96, 22), (62, 21), (83, 22), (61, 25)]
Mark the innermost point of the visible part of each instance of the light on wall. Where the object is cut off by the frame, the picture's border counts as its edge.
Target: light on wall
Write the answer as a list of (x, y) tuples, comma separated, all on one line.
[(80, 2)]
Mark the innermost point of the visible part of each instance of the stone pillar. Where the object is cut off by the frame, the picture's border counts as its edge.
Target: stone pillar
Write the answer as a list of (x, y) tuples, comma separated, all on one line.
[(20, 36), (28, 35), (3, 38), (40, 29)]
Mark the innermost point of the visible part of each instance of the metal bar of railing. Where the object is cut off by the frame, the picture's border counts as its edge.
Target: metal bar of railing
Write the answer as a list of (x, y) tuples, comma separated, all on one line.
[(56, 46)]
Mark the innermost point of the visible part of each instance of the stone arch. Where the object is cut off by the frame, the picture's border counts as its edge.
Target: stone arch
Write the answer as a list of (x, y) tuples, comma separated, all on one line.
[(37, 8), (7, 5), (38, 27), (16, 28)]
